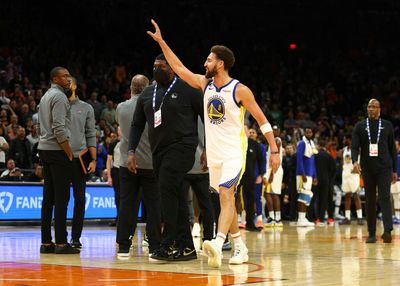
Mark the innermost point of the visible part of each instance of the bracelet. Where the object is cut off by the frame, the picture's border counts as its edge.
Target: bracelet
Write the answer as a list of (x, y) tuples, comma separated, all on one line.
[(131, 152), (273, 153), (265, 128)]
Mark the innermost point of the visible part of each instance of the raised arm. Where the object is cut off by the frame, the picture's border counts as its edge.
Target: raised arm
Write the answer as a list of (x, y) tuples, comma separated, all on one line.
[(245, 97), (195, 80)]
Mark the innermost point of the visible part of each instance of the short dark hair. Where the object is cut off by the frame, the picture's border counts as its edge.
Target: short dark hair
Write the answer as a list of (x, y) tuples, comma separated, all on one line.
[(161, 57), (225, 54), (55, 71), (322, 142)]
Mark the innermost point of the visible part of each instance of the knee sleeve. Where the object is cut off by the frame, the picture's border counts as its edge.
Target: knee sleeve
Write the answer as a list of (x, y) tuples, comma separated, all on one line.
[(305, 197)]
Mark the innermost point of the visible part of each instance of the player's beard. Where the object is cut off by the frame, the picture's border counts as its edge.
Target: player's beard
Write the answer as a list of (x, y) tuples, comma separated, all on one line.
[(211, 73)]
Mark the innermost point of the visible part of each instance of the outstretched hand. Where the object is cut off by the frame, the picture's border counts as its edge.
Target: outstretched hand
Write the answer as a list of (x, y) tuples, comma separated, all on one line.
[(157, 33)]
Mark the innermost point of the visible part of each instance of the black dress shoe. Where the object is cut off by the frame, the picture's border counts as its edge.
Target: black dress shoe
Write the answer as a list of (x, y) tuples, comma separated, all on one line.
[(252, 227), (185, 254), (44, 248), (75, 243), (66, 249), (371, 239), (387, 237), (163, 253)]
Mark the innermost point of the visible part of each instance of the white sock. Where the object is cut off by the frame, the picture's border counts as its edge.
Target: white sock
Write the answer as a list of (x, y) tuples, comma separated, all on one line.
[(336, 211), (359, 213), (397, 213), (237, 239), (271, 215), (278, 216), (302, 216), (259, 218), (347, 214), (219, 241)]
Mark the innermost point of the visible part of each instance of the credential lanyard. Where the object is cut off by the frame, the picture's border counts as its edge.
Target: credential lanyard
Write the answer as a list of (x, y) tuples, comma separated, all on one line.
[(379, 131), (168, 90)]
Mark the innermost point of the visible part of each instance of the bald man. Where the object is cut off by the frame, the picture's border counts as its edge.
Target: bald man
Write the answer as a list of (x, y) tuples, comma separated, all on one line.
[(373, 140), (130, 182)]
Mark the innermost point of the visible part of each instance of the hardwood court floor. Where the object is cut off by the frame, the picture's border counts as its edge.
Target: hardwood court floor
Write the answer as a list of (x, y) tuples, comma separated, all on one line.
[(335, 255)]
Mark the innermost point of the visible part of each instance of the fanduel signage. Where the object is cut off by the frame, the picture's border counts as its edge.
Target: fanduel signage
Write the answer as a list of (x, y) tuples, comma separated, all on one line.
[(25, 202)]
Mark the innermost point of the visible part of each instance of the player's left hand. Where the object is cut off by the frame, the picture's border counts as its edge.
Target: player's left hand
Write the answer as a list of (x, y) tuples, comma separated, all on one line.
[(274, 162), (157, 33)]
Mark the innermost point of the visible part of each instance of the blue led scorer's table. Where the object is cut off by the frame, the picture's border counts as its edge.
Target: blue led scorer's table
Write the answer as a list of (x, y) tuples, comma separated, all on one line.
[(23, 201)]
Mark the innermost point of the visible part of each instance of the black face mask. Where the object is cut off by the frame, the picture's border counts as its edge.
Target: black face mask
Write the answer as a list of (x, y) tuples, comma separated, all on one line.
[(68, 92), (161, 76)]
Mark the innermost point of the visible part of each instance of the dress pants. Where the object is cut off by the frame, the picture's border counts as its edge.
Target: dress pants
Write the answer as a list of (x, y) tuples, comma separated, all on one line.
[(116, 187), (170, 166), (130, 185), (57, 173), (378, 180), (79, 187), (249, 192), (200, 185)]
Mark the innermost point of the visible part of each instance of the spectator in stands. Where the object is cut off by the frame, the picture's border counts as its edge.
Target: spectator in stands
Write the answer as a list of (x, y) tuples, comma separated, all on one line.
[(14, 175), (3, 149), (108, 113), (95, 104), (20, 150), (33, 136), (10, 166), (36, 176), (12, 127)]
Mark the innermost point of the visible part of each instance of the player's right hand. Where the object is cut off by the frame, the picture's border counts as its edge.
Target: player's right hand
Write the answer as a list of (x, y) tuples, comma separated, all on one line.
[(304, 178), (131, 163), (157, 33), (356, 168)]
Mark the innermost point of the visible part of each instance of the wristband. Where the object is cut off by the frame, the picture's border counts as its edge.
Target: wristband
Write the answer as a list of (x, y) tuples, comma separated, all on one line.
[(274, 153), (131, 152), (265, 128)]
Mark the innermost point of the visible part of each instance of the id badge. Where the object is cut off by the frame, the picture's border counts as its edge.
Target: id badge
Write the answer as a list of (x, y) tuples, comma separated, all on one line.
[(157, 118), (373, 150)]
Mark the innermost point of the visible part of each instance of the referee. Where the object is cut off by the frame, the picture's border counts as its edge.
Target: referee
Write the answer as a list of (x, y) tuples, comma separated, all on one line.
[(171, 108), (373, 139)]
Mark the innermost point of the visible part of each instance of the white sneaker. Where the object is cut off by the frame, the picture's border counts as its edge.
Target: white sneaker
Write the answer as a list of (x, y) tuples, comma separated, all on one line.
[(145, 241), (239, 255), (196, 230), (304, 223), (213, 253)]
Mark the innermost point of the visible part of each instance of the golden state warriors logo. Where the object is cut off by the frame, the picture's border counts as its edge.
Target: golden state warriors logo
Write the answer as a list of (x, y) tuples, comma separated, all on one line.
[(216, 109)]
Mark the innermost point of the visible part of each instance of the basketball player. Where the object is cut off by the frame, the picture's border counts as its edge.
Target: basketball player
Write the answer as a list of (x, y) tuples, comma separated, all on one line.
[(225, 100), (273, 186), (350, 184)]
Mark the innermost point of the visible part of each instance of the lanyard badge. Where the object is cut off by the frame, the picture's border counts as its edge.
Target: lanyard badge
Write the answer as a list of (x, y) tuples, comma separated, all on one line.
[(157, 114), (373, 148)]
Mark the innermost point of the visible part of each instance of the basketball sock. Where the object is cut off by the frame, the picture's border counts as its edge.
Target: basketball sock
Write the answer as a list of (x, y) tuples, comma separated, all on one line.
[(278, 216), (237, 239), (347, 214), (302, 215), (271, 215), (359, 213), (219, 241)]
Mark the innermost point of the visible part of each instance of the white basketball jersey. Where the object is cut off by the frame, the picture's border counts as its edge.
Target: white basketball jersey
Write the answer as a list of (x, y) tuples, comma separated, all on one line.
[(347, 161), (224, 124)]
